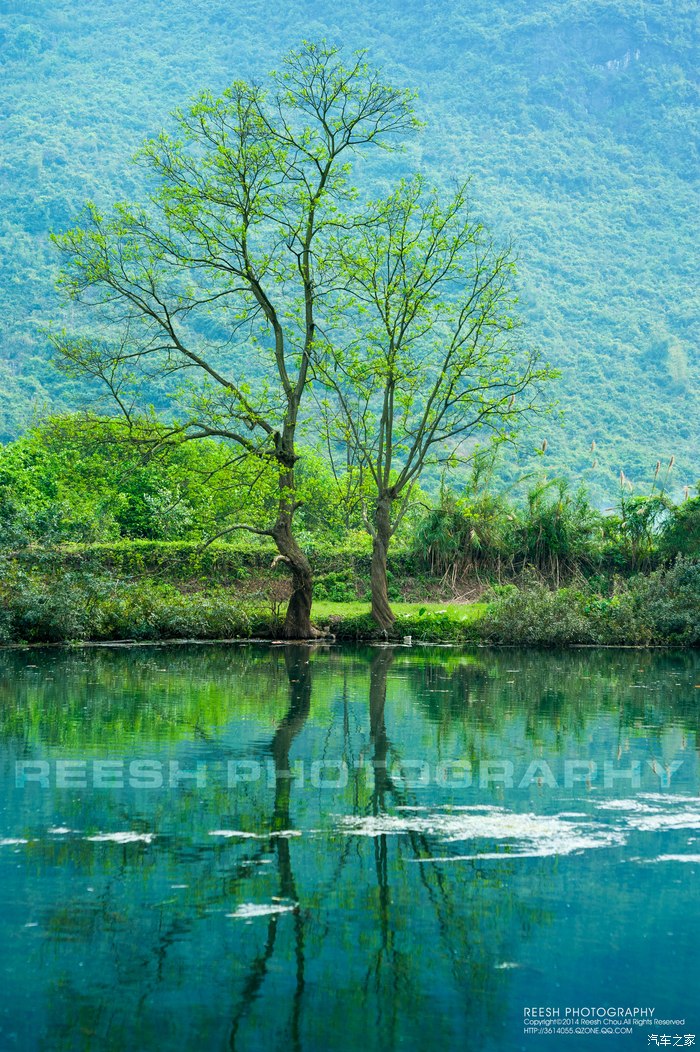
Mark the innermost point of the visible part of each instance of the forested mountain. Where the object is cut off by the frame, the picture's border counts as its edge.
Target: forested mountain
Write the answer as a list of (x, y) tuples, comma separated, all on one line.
[(577, 119)]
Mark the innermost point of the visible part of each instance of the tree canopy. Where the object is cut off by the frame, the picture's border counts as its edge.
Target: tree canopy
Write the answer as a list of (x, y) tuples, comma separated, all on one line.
[(232, 245), (432, 361)]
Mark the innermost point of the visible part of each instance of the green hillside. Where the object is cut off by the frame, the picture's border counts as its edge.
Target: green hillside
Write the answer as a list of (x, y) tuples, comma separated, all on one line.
[(577, 119)]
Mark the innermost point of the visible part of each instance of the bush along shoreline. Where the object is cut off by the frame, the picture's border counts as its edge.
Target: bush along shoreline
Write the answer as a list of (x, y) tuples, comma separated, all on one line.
[(101, 540), (151, 593)]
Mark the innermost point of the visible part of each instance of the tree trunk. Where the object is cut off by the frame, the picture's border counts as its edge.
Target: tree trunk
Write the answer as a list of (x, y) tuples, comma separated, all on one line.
[(297, 623), (381, 610)]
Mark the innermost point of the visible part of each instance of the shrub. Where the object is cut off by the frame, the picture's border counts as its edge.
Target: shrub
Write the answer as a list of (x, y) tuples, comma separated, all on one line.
[(36, 610), (73, 607), (670, 599), (537, 616), (188, 560), (355, 627), (663, 607), (336, 587), (617, 619)]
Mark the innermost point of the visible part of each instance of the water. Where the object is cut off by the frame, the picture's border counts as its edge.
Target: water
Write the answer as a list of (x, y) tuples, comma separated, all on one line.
[(387, 848)]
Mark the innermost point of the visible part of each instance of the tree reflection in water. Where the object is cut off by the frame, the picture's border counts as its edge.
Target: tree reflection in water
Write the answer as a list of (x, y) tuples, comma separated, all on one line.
[(298, 663), (373, 914)]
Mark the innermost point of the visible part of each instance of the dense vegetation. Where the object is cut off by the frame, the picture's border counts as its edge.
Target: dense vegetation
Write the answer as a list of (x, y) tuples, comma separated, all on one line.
[(82, 480), (577, 121), (101, 541)]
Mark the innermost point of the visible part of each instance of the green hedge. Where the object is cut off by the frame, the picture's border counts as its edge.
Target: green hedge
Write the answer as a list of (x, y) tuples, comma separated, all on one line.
[(187, 560)]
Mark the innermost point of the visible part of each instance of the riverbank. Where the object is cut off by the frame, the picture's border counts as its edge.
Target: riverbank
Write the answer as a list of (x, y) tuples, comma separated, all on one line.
[(64, 596)]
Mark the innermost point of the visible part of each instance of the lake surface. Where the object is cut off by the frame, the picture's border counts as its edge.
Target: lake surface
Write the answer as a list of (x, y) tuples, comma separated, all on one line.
[(311, 848)]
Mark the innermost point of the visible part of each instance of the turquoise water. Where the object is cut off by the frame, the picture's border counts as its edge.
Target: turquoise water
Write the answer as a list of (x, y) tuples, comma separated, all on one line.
[(240, 847)]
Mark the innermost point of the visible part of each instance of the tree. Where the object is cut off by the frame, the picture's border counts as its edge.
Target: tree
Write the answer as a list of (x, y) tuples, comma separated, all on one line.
[(209, 295), (435, 361)]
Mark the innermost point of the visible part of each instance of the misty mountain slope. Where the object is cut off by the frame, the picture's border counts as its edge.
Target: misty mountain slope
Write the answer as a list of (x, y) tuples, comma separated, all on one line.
[(577, 120)]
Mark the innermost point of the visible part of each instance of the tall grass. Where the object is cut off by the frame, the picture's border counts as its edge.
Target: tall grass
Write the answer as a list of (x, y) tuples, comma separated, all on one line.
[(555, 531)]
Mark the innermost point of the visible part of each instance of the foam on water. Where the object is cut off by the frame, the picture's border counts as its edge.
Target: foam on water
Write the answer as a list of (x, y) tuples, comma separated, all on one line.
[(122, 838), (532, 835), (655, 823), (654, 812), (248, 910), (625, 805), (241, 835), (676, 858)]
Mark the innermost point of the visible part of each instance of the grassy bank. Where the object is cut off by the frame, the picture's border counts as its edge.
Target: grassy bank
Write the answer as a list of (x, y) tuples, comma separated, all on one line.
[(425, 622), (46, 597)]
